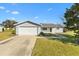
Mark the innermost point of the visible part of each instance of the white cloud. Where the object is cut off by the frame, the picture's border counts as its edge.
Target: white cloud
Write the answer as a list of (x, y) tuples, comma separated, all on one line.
[(49, 9), (15, 12), (2, 7), (36, 17)]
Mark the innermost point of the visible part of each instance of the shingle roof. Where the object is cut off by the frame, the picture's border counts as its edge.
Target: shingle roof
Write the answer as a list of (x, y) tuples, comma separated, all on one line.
[(51, 25), (28, 22), (47, 25), (58, 25)]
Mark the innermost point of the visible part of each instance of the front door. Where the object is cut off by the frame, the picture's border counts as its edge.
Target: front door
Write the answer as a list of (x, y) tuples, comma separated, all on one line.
[(50, 29)]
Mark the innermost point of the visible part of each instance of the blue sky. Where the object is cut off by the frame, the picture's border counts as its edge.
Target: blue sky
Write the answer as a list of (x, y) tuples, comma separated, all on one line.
[(36, 12)]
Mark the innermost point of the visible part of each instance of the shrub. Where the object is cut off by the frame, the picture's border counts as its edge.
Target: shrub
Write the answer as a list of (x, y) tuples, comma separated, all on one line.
[(48, 34), (42, 34), (45, 34), (14, 32), (2, 29), (77, 41)]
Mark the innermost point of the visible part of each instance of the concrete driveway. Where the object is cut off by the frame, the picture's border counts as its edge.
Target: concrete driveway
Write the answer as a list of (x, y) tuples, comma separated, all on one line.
[(18, 46)]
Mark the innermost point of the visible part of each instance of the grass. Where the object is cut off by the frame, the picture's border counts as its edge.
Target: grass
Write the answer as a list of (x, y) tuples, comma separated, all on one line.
[(56, 47), (70, 37), (71, 33), (45, 47), (6, 34)]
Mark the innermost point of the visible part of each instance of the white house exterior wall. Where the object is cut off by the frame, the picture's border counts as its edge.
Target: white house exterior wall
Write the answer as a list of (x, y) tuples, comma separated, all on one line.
[(17, 30), (60, 30), (39, 30), (56, 30), (0, 29), (31, 29), (27, 29)]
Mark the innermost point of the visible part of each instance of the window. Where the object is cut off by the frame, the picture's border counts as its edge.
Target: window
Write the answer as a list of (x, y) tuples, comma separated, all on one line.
[(58, 28), (44, 28)]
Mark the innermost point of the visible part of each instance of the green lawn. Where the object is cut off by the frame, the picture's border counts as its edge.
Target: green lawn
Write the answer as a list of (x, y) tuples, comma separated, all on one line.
[(6, 34), (69, 33), (45, 47), (56, 47)]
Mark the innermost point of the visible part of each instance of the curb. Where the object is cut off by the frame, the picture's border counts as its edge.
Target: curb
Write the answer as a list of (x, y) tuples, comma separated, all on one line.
[(6, 40)]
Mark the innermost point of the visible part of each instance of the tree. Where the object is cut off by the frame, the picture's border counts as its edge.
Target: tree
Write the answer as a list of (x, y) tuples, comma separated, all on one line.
[(9, 23), (71, 16), (72, 19)]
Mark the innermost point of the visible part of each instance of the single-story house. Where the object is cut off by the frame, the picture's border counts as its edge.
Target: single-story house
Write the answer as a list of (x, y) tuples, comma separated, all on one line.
[(31, 28), (51, 28), (1, 28), (28, 28)]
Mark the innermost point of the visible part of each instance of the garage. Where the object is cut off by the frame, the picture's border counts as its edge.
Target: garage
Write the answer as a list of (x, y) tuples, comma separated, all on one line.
[(28, 28)]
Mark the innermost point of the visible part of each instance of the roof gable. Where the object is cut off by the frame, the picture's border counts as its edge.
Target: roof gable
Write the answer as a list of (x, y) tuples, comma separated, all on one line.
[(28, 22)]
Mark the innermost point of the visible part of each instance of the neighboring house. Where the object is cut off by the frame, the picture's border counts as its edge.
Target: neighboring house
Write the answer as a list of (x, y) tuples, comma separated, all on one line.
[(30, 28), (1, 28)]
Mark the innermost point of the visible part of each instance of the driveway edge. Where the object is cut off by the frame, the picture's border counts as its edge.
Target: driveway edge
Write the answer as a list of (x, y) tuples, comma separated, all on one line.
[(31, 46)]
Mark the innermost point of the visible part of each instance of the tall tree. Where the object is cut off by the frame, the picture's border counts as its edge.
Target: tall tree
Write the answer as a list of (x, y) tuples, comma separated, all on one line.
[(72, 18), (9, 23)]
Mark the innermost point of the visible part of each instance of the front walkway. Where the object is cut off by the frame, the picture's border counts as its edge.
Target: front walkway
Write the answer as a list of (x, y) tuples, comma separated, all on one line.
[(18, 46)]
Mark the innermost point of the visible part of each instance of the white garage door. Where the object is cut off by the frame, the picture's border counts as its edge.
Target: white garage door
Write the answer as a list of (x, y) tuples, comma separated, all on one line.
[(27, 31)]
